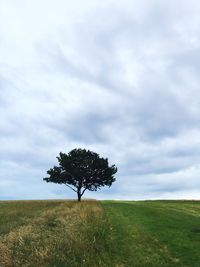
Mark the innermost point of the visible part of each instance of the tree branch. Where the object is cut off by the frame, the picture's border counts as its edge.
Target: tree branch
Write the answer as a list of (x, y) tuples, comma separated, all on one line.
[(71, 188), (84, 191)]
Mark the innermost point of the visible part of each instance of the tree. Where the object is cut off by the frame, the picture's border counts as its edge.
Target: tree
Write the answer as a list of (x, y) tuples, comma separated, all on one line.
[(82, 170)]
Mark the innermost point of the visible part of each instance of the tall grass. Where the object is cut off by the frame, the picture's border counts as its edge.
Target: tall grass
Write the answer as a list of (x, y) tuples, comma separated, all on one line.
[(71, 234), (16, 213)]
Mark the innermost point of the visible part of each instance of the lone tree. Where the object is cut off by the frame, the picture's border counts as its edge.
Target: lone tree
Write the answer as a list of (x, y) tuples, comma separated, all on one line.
[(82, 170)]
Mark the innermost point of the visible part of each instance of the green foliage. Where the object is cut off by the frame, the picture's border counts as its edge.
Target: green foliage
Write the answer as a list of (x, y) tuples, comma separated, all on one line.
[(82, 170)]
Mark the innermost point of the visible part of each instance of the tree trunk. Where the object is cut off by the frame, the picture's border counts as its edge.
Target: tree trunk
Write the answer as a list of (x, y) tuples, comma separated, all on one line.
[(79, 196)]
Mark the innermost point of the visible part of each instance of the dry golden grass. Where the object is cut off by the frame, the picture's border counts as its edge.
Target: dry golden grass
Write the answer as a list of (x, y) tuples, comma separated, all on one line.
[(56, 237), (5, 256)]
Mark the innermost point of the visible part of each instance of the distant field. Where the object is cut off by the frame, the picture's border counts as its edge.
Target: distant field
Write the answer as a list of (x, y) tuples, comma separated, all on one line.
[(99, 234)]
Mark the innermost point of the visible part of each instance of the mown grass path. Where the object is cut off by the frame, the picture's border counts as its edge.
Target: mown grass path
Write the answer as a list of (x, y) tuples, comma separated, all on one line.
[(155, 233)]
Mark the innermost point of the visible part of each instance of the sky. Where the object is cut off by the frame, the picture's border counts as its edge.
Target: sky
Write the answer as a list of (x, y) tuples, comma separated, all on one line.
[(120, 78)]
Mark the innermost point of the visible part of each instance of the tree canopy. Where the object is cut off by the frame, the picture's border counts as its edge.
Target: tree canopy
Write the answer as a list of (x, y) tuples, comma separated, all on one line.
[(82, 170)]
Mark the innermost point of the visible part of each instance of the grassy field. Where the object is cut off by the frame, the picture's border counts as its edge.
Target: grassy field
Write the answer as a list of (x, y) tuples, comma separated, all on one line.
[(99, 234)]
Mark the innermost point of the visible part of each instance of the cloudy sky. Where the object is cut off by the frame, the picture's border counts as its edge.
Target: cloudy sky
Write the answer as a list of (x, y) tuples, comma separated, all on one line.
[(118, 77)]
